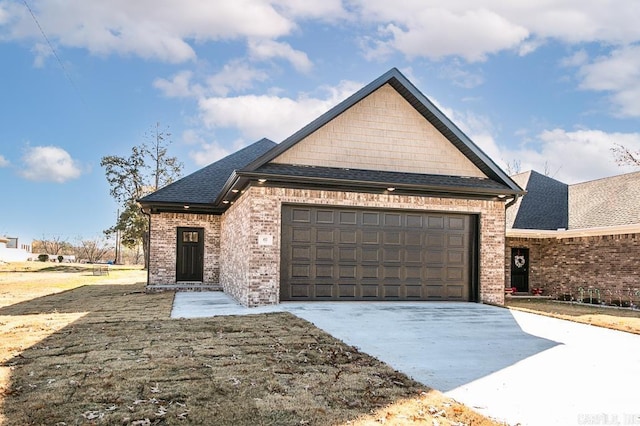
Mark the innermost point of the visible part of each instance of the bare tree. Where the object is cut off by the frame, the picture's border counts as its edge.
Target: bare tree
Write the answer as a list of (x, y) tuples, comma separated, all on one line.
[(93, 250), (625, 156), (52, 246), (513, 167)]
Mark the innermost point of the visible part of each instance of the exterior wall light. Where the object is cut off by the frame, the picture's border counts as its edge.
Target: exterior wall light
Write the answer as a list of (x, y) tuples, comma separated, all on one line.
[(391, 189), (262, 180), (225, 202)]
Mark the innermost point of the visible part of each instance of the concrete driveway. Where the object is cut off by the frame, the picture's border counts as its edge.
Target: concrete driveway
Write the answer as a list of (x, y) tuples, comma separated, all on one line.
[(513, 366)]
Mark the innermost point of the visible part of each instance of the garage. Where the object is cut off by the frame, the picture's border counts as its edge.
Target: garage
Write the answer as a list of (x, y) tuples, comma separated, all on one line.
[(337, 253)]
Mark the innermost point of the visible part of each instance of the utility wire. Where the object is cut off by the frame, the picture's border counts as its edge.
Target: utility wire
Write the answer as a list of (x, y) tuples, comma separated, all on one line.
[(44, 35)]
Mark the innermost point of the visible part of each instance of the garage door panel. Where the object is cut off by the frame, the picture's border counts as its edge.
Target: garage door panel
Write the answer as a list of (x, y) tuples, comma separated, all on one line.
[(413, 239), (370, 219), (414, 220), (391, 238), (371, 237), (301, 271), (456, 241), (348, 217), (435, 240), (325, 216), (435, 222), (333, 253), (323, 291), (324, 271), (391, 291), (325, 254), (301, 235), (370, 255), (390, 254), (301, 215), (371, 291), (301, 253), (347, 254), (348, 236), (324, 235)]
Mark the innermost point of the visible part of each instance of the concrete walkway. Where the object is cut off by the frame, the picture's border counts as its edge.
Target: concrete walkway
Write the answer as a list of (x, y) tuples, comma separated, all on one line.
[(513, 366)]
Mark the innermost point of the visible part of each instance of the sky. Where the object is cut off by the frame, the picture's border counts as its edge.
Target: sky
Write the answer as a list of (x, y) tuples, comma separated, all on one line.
[(549, 85)]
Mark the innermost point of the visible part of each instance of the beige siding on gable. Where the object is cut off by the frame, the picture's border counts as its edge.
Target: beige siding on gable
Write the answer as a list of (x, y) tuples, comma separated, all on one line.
[(381, 132)]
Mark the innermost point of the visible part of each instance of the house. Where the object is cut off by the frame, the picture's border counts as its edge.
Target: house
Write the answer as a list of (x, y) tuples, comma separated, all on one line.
[(11, 251), (380, 198), (575, 241)]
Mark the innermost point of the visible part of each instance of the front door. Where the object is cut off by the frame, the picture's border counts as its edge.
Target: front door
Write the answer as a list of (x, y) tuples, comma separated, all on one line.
[(189, 263), (520, 269)]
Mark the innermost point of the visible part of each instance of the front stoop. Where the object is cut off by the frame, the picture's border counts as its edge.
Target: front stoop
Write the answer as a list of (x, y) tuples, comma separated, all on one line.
[(183, 286)]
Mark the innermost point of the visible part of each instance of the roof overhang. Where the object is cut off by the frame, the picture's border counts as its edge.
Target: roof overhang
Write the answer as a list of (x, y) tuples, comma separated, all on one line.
[(241, 179), (573, 233)]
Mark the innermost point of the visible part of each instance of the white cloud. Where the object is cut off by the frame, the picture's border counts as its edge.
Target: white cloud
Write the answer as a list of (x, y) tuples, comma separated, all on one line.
[(208, 153), (473, 29), (179, 86), (49, 164), (271, 116), (235, 76), (268, 49), (3, 161), (618, 74), (161, 30)]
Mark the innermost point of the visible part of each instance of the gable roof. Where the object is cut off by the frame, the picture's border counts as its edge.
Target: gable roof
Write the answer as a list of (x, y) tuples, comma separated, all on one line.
[(201, 188), (549, 205), (214, 187), (423, 105), (545, 206)]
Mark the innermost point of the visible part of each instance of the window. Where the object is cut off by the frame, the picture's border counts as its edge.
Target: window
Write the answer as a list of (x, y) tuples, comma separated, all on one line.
[(190, 237)]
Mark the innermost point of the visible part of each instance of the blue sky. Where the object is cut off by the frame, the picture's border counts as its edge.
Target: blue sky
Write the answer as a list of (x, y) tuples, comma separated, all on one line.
[(549, 84)]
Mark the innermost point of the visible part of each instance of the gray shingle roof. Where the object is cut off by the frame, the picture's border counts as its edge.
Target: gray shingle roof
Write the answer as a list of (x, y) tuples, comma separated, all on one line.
[(204, 185), (545, 206), (550, 204), (383, 178), (605, 202)]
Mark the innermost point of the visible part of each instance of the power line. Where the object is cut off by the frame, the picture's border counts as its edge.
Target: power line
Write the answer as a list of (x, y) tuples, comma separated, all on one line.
[(44, 35)]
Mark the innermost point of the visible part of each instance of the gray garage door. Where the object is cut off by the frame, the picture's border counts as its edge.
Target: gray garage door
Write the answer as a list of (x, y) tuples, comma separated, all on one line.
[(356, 254)]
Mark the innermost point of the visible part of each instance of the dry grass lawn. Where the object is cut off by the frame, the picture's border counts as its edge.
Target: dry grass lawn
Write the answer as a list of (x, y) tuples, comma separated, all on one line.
[(79, 349), (623, 319)]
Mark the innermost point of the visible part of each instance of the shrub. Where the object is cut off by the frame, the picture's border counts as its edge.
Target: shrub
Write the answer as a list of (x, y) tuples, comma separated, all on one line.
[(60, 258), (43, 257)]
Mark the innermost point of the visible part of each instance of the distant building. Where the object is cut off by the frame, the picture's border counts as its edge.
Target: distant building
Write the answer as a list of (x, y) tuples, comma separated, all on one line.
[(12, 251)]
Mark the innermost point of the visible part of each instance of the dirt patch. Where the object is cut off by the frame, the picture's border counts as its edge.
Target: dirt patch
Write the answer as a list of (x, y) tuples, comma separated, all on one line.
[(106, 353), (622, 319)]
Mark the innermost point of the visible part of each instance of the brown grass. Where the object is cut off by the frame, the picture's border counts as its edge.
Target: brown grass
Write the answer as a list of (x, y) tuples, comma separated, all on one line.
[(97, 350), (623, 319)]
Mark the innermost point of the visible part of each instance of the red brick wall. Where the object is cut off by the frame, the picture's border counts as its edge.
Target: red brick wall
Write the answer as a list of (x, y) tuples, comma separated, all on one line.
[(250, 271), (610, 262), (163, 246)]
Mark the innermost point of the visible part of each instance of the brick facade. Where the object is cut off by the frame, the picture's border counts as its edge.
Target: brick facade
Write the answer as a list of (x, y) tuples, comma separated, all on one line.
[(250, 272), (163, 246), (609, 263)]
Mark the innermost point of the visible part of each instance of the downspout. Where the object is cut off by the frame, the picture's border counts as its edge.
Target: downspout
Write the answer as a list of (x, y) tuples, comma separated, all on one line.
[(513, 201), (147, 212)]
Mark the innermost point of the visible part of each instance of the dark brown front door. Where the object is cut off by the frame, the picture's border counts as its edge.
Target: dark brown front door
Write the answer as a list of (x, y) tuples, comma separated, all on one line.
[(331, 253), (189, 263), (520, 269)]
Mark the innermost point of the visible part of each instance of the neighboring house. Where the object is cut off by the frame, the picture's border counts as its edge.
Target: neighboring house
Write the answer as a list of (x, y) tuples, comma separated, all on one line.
[(11, 251), (380, 198), (571, 240)]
